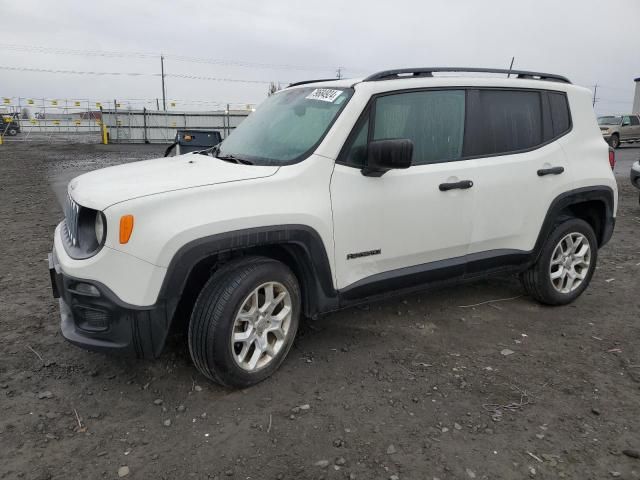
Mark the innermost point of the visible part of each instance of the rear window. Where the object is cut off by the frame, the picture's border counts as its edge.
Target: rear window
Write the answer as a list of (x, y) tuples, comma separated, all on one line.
[(501, 121)]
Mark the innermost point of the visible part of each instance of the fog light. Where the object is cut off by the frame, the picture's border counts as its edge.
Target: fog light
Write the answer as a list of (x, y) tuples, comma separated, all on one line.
[(85, 289), (92, 320)]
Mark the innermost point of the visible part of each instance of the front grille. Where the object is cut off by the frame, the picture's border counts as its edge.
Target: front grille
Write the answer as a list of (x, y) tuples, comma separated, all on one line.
[(71, 211)]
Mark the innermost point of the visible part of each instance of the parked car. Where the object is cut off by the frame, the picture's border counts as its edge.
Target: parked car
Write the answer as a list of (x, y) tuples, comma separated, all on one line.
[(619, 129), (335, 193), (635, 176), (10, 124)]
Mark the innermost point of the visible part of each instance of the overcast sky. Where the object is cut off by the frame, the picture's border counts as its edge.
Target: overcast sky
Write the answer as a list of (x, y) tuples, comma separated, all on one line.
[(286, 40)]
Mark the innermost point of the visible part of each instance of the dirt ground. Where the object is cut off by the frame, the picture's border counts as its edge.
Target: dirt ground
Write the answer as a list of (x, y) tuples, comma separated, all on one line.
[(411, 388)]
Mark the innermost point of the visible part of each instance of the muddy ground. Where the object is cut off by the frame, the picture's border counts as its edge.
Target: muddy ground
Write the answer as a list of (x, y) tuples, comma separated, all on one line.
[(410, 388)]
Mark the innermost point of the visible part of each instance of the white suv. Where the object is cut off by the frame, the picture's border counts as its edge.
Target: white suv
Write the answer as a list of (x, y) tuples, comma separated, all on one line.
[(335, 193)]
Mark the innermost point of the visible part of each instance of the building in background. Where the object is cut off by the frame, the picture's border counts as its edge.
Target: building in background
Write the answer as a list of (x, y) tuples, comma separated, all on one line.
[(636, 98)]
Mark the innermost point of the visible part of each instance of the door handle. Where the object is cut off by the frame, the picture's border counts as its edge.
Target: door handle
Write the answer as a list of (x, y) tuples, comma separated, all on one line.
[(462, 185), (550, 171)]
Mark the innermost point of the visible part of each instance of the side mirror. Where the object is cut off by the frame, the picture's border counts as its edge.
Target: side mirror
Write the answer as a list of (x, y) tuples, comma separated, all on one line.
[(385, 155)]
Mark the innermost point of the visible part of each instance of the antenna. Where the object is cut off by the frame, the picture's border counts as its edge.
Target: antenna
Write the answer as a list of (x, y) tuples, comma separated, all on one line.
[(510, 67)]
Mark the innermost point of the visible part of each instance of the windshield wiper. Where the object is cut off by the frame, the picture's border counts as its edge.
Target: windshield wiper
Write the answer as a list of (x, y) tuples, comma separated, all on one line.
[(233, 158), (210, 151), (213, 151)]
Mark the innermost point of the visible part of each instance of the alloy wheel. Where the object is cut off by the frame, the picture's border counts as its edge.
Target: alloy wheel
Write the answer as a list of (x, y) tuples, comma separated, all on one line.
[(570, 262), (261, 326)]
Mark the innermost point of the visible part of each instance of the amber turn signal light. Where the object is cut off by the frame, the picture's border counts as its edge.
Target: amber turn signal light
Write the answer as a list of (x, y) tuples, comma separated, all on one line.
[(126, 228)]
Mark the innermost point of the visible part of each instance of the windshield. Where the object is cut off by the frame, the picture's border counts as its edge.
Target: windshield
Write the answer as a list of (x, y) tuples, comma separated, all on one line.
[(286, 126), (611, 120)]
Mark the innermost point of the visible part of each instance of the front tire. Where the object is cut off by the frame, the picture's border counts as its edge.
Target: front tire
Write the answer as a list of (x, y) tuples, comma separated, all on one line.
[(244, 321), (565, 266)]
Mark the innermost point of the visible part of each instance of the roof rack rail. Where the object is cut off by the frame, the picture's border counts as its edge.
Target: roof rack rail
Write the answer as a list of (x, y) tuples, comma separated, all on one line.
[(304, 82), (428, 72)]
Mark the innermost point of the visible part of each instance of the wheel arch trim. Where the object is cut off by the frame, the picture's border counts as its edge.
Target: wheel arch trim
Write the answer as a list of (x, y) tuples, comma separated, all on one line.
[(303, 242), (599, 193)]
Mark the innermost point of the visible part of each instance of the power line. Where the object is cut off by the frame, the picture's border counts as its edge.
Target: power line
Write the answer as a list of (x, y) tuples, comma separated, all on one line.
[(134, 74), (179, 58)]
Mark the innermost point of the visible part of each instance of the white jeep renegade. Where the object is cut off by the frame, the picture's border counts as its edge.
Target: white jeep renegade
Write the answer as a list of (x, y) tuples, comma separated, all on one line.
[(334, 193)]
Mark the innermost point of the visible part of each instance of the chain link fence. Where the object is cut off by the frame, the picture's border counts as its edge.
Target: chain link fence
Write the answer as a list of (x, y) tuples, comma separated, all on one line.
[(89, 121), (47, 120), (150, 126)]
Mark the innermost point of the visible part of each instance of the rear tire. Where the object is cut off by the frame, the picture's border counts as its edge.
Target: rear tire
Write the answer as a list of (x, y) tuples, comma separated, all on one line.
[(244, 321), (565, 266), (12, 132), (614, 141)]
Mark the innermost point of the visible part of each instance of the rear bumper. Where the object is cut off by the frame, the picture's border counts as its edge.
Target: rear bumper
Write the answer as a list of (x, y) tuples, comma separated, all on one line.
[(94, 318)]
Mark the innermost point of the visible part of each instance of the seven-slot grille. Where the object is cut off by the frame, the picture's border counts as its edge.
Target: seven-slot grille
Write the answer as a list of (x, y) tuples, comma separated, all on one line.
[(71, 211)]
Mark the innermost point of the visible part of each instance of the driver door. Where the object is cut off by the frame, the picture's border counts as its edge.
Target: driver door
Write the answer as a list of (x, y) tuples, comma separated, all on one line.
[(402, 228)]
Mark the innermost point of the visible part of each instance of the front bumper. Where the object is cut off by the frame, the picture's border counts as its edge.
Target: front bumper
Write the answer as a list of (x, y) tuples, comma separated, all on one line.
[(94, 318)]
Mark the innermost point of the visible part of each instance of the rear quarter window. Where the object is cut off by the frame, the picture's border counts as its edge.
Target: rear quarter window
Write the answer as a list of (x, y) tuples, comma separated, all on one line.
[(560, 119)]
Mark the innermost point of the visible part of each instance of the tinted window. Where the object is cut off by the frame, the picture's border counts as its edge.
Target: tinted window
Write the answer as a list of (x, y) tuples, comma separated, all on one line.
[(433, 120), (626, 121), (501, 121), (357, 153), (559, 113), (635, 121)]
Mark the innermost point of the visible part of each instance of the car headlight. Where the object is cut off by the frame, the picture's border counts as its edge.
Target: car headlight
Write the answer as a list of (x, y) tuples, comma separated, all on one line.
[(85, 230), (100, 227)]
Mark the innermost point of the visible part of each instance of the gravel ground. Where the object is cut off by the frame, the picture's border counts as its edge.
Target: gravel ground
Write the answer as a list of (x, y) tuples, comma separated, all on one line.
[(412, 388)]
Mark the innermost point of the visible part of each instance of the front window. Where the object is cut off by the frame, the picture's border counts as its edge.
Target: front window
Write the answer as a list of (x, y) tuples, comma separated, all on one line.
[(287, 126), (609, 120)]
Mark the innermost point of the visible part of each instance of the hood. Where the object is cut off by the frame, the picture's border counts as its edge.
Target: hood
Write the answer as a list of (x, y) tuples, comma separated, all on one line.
[(105, 187)]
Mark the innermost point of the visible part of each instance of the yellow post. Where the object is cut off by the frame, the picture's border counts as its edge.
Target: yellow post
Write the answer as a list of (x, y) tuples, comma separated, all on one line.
[(0, 139), (105, 137)]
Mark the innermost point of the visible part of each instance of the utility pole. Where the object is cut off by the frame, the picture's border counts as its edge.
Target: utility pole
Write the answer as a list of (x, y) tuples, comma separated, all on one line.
[(164, 101), (339, 73), (595, 90)]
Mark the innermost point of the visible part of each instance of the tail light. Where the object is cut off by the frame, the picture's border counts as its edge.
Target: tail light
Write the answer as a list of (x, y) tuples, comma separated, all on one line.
[(612, 157)]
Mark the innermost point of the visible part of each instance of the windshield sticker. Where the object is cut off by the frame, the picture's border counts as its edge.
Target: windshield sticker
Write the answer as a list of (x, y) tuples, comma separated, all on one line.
[(324, 94)]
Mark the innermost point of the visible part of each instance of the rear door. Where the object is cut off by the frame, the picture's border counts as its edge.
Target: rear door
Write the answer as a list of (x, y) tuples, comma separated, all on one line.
[(517, 171)]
